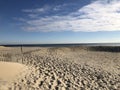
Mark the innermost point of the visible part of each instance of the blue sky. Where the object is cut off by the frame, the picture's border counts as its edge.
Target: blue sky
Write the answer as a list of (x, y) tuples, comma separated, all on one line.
[(59, 21)]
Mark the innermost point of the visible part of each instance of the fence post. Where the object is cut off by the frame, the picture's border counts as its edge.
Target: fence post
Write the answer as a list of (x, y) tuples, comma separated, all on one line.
[(22, 53)]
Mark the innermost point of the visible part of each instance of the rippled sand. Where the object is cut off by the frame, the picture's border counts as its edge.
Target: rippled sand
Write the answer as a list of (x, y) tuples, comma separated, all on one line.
[(65, 68)]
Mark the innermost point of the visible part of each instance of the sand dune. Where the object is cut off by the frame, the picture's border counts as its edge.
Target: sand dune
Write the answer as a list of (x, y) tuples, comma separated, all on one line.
[(67, 68)]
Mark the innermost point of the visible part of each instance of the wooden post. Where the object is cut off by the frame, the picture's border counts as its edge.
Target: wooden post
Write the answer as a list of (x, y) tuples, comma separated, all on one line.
[(21, 49), (22, 53)]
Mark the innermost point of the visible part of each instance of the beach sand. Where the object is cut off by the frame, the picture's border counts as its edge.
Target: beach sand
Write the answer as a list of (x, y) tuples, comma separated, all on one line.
[(64, 68), (9, 72)]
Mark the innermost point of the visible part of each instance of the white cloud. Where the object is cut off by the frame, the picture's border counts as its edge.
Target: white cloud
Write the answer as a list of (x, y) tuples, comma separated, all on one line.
[(57, 8), (37, 10), (97, 16), (60, 7)]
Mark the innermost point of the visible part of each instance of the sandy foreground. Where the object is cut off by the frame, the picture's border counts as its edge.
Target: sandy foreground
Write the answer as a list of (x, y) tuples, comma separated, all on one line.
[(59, 68), (9, 72)]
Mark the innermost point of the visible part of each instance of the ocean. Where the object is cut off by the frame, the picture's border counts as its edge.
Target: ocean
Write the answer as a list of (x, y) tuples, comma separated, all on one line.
[(61, 45)]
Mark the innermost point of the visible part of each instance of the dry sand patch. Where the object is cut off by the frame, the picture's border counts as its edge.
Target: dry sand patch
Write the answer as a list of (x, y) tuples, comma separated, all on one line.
[(9, 72)]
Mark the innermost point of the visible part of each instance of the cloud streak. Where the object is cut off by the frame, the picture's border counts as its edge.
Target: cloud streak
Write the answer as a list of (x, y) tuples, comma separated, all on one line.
[(96, 16), (37, 10)]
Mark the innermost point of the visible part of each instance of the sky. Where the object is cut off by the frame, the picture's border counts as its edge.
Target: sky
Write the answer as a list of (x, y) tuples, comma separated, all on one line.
[(59, 21)]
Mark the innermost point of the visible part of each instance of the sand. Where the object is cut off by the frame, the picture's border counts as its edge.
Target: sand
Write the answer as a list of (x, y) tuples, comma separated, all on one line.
[(65, 68), (9, 72), (4, 48)]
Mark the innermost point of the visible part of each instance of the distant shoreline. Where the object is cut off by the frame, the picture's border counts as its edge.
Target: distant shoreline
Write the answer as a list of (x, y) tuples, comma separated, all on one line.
[(60, 45)]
